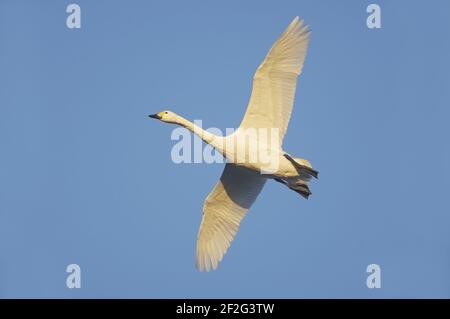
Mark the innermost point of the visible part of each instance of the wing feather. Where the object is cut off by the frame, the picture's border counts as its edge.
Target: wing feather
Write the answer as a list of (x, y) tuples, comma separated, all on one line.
[(223, 211), (275, 80)]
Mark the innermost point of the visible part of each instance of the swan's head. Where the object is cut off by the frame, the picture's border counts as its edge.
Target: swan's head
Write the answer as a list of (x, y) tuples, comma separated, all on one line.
[(165, 116)]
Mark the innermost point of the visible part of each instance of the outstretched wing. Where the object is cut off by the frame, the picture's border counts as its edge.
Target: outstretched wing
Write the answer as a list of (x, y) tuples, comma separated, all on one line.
[(274, 82), (223, 210)]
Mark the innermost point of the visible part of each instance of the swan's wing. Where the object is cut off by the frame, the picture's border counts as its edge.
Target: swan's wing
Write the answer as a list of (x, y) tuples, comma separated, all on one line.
[(274, 82), (223, 211)]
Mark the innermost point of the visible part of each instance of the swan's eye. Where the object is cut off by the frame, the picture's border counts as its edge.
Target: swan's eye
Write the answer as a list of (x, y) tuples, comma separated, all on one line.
[(166, 112)]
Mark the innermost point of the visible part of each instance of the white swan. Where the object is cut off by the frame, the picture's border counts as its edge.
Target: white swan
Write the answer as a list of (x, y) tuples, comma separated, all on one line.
[(242, 180)]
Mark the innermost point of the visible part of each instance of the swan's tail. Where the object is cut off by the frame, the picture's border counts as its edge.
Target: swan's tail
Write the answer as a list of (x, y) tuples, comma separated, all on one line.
[(299, 184)]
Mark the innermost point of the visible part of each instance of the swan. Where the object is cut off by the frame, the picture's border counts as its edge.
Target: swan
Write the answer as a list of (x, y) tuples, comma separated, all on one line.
[(269, 108)]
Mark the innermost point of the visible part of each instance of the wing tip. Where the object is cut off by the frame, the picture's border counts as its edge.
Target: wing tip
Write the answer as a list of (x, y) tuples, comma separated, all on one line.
[(294, 23), (206, 260), (298, 26), (206, 266)]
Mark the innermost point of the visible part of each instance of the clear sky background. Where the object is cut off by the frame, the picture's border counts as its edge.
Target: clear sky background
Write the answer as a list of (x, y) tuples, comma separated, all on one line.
[(87, 178)]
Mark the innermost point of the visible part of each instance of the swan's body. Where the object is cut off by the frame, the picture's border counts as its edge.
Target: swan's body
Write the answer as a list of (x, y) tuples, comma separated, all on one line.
[(247, 169)]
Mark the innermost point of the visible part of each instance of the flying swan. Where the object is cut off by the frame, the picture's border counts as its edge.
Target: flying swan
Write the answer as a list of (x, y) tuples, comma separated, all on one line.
[(247, 170)]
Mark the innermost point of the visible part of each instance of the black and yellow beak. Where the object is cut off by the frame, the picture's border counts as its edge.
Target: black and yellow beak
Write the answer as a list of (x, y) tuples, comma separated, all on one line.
[(155, 116)]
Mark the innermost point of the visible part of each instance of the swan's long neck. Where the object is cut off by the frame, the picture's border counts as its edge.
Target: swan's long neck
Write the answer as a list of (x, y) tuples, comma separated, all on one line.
[(207, 137)]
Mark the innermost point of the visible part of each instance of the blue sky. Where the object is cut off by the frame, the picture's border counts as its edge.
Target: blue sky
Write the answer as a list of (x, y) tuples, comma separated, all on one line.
[(87, 178)]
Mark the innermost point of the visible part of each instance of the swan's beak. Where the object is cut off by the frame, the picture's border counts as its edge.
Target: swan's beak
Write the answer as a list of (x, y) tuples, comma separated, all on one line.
[(155, 116)]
